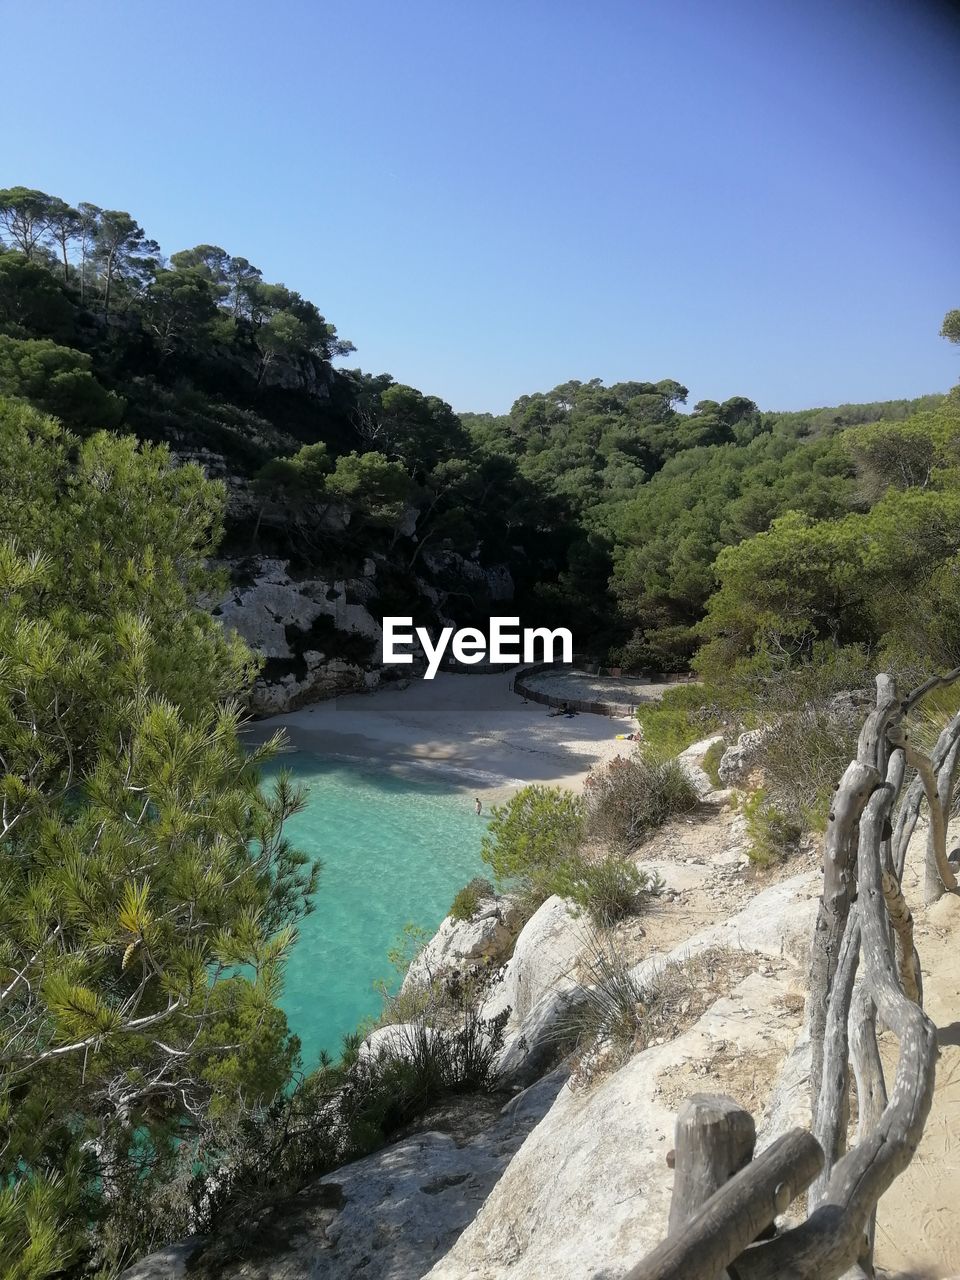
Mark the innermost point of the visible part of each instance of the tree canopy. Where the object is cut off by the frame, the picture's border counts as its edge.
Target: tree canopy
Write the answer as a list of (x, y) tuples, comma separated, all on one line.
[(149, 895)]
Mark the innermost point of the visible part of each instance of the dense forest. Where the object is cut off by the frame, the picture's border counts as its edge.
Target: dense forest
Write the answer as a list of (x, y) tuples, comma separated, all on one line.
[(148, 894), (609, 505)]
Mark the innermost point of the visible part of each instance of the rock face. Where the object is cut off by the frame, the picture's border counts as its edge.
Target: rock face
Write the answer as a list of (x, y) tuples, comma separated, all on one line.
[(691, 761), (738, 762), (464, 947), (389, 1216), (534, 990), (777, 923), (318, 634), (302, 626), (397, 1041), (588, 1193), (598, 1157), (449, 568)]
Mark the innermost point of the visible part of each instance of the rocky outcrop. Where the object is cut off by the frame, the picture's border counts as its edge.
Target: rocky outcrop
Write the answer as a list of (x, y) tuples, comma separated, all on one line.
[(452, 570), (317, 636), (399, 1040), (588, 1193), (466, 948), (777, 923), (389, 1216), (691, 762), (739, 761), (535, 989)]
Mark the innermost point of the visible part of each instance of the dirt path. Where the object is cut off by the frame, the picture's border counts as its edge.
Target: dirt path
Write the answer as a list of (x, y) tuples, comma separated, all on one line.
[(918, 1224), (708, 878)]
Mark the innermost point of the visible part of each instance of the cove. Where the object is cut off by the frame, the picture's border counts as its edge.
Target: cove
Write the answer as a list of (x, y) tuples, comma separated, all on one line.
[(395, 847)]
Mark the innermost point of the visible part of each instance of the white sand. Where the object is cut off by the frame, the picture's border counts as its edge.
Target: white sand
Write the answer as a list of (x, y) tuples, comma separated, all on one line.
[(471, 727)]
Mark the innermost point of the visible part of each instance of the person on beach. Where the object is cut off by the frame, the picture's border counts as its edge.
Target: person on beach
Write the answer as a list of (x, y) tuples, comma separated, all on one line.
[(479, 806)]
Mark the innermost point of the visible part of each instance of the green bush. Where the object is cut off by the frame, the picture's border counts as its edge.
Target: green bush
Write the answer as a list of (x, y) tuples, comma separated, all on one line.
[(772, 832), (814, 710), (530, 838), (684, 714), (631, 796), (467, 902), (611, 888), (711, 761)]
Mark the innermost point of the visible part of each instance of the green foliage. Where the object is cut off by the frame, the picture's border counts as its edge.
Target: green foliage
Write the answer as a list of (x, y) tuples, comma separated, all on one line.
[(684, 714), (813, 710), (609, 888), (375, 488), (469, 899), (32, 303), (529, 838), (25, 215), (41, 1223), (631, 796), (57, 380), (142, 868), (950, 329), (410, 942), (846, 580), (711, 761), (772, 833)]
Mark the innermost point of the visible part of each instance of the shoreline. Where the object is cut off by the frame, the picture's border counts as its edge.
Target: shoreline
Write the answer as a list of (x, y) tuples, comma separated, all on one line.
[(470, 729)]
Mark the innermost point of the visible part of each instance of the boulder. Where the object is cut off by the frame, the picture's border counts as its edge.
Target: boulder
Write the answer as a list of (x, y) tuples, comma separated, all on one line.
[(738, 762), (397, 1041), (462, 946), (533, 991)]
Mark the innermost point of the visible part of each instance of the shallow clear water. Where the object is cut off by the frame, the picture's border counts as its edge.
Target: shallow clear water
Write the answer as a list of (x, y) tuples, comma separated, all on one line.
[(395, 848)]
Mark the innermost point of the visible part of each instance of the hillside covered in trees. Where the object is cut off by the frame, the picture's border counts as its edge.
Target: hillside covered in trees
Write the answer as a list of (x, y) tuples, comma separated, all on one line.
[(608, 505), (148, 894)]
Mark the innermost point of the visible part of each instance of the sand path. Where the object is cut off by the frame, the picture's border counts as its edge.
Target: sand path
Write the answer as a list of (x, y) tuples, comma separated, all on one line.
[(918, 1230)]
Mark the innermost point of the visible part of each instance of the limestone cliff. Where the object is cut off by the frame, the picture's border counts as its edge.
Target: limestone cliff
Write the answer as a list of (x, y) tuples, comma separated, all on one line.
[(570, 1178)]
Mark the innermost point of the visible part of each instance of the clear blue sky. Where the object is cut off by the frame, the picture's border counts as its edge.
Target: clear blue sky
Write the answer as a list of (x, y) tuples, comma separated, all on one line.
[(489, 197)]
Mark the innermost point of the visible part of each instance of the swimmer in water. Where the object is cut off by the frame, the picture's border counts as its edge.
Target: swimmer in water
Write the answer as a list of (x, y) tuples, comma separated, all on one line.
[(479, 806)]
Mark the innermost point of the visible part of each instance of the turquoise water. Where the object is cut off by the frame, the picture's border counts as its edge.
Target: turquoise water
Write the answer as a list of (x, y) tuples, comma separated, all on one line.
[(394, 849)]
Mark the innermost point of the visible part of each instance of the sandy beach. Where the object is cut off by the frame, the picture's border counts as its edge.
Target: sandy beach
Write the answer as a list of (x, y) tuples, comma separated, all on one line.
[(469, 727)]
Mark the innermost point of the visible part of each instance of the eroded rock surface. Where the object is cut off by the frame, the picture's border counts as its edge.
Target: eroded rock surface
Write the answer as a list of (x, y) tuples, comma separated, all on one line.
[(463, 946), (387, 1217), (535, 990)]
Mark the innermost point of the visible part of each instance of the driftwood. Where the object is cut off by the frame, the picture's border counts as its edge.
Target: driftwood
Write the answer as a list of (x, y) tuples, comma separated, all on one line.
[(864, 966)]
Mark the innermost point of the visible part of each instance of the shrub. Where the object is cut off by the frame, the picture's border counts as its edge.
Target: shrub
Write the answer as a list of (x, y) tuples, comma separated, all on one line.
[(632, 796), (624, 1015), (609, 889), (711, 761), (772, 832), (467, 902), (815, 711), (532, 835), (684, 714)]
